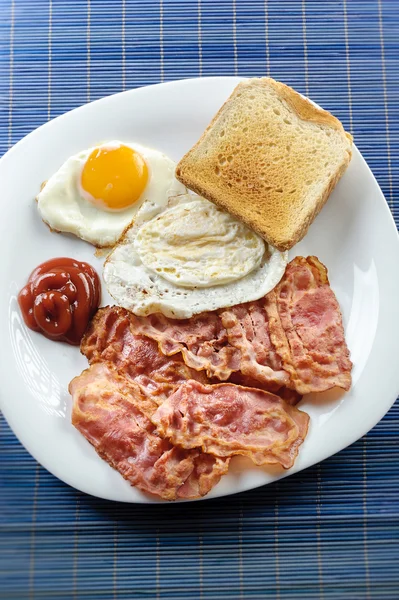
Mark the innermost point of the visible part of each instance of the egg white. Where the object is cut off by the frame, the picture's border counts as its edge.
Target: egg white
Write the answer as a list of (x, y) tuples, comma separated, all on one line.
[(63, 207), (197, 244), (142, 290)]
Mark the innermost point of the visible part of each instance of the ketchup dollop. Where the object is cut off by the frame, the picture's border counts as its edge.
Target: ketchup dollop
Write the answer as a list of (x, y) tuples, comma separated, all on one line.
[(60, 298)]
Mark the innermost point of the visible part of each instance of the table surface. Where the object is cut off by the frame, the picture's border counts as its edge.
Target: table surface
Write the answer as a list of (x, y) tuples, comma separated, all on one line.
[(328, 532)]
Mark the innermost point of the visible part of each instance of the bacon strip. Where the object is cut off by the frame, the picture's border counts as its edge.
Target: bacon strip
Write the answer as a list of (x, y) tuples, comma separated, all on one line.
[(247, 331), (110, 338), (226, 419), (305, 325), (154, 370), (112, 413), (202, 340), (293, 338)]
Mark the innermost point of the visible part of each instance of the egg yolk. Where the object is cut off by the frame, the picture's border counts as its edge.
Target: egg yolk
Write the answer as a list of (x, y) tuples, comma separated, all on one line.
[(115, 177)]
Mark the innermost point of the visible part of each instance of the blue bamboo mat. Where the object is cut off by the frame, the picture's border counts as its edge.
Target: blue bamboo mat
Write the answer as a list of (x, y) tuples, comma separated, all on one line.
[(327, 533)]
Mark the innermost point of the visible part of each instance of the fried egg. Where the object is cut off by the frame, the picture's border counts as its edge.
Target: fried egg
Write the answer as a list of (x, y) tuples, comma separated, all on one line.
[(197, 244), (96, 193), (187, 258)]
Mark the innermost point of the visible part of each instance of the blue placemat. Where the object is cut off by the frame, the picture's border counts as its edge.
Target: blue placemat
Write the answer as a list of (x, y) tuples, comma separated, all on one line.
[(329, 532)]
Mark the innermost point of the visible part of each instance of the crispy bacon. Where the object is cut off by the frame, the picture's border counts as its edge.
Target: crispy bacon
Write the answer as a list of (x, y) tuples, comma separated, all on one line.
[(202, 340), (293, 338), (150, 379), (305, 325), (227, 419), (247, 331), (207, 472), (110, 338), (112, 413)]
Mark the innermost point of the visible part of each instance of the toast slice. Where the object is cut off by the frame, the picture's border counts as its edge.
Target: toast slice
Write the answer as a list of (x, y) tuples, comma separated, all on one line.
[(269, 157)]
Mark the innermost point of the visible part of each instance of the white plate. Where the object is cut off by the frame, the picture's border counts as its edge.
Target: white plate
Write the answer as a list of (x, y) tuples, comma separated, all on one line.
[(354, 236)]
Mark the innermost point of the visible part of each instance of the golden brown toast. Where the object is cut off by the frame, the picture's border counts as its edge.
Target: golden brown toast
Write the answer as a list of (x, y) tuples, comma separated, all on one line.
[(271, 158)]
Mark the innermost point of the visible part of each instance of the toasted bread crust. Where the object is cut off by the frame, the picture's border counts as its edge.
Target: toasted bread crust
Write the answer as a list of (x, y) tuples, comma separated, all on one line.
[(280, 218), (305, 109)]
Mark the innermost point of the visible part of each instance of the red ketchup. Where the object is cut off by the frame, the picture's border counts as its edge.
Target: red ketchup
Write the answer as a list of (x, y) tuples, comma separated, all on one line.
[(60, 298)]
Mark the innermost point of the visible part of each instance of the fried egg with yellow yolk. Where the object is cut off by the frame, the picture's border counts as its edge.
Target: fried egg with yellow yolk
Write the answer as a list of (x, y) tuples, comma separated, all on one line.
[(96, 193)]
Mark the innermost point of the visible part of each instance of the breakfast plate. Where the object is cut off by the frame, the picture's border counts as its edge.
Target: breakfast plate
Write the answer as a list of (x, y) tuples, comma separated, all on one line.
[(354, 235)]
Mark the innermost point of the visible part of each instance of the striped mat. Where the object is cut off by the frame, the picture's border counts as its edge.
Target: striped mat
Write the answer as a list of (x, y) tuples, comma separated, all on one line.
[(327, 533)]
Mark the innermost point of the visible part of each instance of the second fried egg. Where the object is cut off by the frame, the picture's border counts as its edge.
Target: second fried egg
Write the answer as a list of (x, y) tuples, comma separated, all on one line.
[(189, 258), (196, 244)]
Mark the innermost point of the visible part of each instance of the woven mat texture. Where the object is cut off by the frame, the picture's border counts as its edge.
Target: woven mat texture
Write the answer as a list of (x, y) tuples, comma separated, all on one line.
[(329, 532)]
